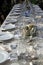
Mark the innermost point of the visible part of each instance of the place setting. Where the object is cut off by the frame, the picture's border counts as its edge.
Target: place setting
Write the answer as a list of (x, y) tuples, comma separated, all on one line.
[(9, 26), (17, 6), (6, 55), (38, 11), (11, 20), (4, 36), (18, 11), (15, 14), (15, 19), (3, 56)]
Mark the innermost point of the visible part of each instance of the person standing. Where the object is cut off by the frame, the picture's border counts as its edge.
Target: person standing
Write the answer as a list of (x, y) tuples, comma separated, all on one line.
[(1, 12)]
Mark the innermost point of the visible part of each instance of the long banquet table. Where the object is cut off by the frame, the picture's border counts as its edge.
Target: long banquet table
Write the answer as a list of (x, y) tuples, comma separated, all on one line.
[(34, 18)]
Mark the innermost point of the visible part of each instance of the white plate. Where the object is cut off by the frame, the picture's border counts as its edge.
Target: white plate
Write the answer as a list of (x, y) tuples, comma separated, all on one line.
[(13, 17), (17, 6), (17, 10), (39, 25), (5, 36), (11, 21), (14, 11), (3, 56), (38, 11), (8, 26), (14, 14)]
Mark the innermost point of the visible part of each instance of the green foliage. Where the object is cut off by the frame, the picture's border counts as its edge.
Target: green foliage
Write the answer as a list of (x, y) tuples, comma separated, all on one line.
[(34, 1)]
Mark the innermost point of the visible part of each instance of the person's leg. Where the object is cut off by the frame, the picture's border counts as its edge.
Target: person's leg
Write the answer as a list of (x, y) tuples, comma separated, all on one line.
[(2, 18)]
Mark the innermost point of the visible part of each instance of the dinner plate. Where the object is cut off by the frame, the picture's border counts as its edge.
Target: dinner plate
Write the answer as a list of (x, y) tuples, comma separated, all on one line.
[(17, 10), (40, 30), (15, 14), (17, 6), (8, 26), (38, 10), (36, 6), (3, 56), (13, 17), (11, 20), (40, 25), (5, 36)]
